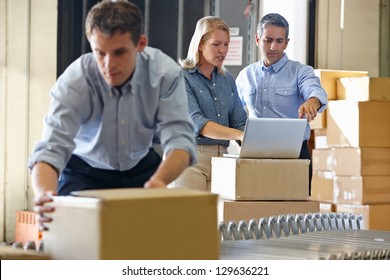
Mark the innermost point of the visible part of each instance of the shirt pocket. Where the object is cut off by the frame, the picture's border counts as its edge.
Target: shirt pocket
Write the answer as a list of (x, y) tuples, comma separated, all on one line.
[(144, 136), (287, 99), (251, 97)]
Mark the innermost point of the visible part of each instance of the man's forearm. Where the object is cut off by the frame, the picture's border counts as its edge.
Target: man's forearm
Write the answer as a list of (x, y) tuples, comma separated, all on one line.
[(44, 178), (171, 167)]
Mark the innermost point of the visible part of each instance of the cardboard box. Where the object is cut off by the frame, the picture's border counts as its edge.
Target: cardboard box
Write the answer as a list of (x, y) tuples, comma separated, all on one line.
[(361, 189), (260, 179), (320, 139), (229, 210), (358, 124), (128, 224), (322, 186), (322, 159), (319, 121), (375, 216), (361, 161), (327, 207), (328, 79), (363, 89)]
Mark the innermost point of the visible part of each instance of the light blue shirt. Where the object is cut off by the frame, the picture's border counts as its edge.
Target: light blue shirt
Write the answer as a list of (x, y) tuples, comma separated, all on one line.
[(277, 91), (114, 130), (213, 100)]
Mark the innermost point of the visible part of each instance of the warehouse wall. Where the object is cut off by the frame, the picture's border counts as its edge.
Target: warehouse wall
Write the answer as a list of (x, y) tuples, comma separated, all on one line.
[(27, 71), (349, 35)]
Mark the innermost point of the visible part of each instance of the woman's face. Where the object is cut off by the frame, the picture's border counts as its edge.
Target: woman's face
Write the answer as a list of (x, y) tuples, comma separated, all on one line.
[(213, 51)]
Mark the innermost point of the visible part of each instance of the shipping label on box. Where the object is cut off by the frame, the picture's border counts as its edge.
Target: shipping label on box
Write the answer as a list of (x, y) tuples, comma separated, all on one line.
[(152, 224), (260, 179)]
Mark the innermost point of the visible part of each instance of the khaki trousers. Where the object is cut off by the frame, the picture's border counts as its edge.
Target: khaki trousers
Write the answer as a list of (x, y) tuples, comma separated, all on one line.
[(198, 176)]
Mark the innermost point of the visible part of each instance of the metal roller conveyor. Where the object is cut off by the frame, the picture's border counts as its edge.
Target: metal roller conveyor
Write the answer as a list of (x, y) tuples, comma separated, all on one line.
[(334, 244), (304, 236), (275, 227)]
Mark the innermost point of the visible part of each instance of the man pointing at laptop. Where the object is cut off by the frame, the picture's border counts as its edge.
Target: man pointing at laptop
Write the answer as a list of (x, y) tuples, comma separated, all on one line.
[(277, 87)]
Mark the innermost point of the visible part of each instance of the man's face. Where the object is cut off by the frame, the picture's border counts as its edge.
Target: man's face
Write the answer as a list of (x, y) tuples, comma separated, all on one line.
[(272, 44), (116, 55)]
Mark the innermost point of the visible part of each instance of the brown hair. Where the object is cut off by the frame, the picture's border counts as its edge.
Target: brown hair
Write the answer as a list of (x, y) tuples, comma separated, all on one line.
[(111, 16)]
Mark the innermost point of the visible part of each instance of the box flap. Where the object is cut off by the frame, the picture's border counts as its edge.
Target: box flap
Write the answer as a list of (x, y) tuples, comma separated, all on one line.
[(137, 193)]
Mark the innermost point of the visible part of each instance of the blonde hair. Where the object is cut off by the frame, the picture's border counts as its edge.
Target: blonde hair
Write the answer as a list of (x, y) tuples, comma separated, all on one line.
[(204, 27)]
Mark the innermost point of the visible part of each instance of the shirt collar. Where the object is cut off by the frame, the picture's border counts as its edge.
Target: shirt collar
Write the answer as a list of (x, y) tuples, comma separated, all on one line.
[(277, 65)]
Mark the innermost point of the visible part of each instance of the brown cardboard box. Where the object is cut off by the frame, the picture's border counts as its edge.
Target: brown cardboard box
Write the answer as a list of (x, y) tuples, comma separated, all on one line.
[(363, 89), (361, 189), (260, 179), (322, 186), (319, 121), (361, 161), (322, 159), (327, 207), (229, 210), (134, 224), (320, 139), (358, 124), (375, 216), (328, 79)]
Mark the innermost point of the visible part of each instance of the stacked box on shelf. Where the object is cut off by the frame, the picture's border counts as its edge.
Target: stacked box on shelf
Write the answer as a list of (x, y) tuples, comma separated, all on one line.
[(329, 79), (361, 175), (375, 216), (358, 131), (363, 89), (322, 181)]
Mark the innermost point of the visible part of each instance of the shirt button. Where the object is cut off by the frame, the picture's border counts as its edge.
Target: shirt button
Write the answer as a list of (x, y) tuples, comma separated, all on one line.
[(218, 115), (264, 107), (123, 142), (215, 98), (265, 90), (123, 122), (213, 84)]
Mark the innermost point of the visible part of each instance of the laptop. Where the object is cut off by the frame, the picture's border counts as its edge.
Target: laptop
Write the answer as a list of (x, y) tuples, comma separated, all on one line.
[(279, 138)]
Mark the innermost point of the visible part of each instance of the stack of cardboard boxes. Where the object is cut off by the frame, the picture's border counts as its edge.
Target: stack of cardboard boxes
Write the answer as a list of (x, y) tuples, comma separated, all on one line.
[(256, 188), (351, 155)]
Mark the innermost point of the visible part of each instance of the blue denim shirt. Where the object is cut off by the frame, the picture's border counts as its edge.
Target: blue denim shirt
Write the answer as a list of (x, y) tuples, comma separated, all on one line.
[(277, 91), (216, 100), (114, 130)]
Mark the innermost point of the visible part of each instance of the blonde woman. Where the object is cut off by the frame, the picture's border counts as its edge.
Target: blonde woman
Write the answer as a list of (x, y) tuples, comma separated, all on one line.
[(214, 104)]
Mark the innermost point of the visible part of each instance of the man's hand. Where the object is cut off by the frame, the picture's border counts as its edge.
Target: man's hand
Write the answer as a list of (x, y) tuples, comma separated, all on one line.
[(155, 184), (309, 109), (41, 209), (170, 168)]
